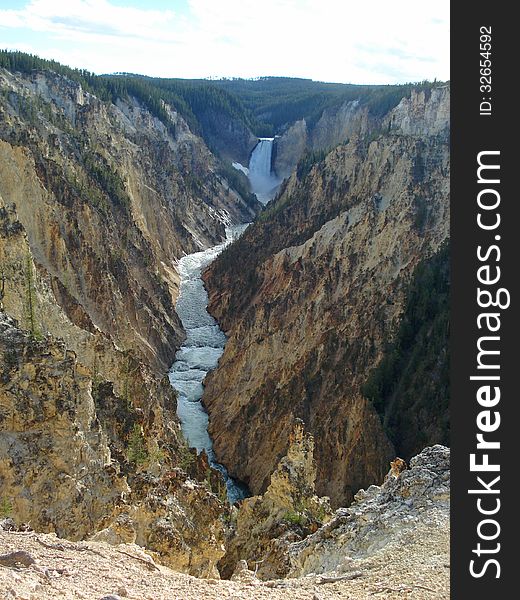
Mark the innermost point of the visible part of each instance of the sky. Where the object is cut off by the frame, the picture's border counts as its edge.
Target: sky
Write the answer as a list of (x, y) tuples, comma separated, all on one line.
[(345, 41)]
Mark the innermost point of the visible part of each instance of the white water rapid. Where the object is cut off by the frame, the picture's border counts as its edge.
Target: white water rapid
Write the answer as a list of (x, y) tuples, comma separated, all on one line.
[(199, 354), (264, 182)]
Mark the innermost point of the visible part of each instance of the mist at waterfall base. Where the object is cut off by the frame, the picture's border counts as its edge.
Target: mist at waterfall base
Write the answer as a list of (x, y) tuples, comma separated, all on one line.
[(264, 182), (199, 354)]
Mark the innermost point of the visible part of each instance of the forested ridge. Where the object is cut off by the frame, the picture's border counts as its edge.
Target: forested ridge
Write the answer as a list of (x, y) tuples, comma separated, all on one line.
[(265, 105), (278, 101)]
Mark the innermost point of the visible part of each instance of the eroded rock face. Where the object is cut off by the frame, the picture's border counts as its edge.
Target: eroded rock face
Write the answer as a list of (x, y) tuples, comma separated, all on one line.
[(109, 197), (335, 126), (77, 460), (264, 526), (409, 500), (55, 463), (30, 293), (177, 520), (309, 293)]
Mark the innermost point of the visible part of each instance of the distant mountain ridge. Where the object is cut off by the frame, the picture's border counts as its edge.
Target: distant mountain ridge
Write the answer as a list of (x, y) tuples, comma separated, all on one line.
[(266, 106)]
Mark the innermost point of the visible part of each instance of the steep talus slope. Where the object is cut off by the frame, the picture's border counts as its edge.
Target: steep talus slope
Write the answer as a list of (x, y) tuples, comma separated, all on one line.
[(311, 294)]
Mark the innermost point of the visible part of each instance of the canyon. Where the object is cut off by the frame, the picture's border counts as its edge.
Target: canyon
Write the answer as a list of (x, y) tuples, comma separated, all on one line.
[(118, 199), (311, 293), (98, 201)]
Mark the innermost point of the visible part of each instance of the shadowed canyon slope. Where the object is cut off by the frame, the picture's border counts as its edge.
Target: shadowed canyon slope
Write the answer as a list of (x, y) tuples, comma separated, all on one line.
[(312, 292)]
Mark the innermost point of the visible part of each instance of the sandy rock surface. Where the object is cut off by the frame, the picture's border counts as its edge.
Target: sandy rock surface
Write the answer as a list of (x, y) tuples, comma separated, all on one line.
[(415, 567)]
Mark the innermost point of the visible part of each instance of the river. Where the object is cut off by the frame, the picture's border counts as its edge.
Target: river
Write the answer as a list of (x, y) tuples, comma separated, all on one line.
[(199, 354)]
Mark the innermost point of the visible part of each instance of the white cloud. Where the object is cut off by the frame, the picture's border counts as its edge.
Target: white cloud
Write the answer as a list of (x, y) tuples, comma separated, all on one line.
[(332, 40), (94, 17)]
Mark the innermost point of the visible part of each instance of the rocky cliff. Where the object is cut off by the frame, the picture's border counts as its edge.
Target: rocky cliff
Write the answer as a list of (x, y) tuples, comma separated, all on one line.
[(98, 200), (425, 111), (289, 532), (357, 554), (311, 293), (411, 499)]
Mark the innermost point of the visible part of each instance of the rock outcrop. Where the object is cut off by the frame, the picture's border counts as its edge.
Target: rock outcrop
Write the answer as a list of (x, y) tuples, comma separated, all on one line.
[(55, 465), (77, 460), (263, 526), (290, 532), (311, 293), (409, 501)]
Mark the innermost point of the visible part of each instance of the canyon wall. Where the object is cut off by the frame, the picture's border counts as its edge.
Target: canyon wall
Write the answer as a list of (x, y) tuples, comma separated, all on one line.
[(338, 123), (110, 197), (98, 200), (311, 293)]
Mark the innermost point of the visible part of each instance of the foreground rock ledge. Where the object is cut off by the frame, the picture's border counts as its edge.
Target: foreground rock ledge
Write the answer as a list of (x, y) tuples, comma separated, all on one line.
[(356, 556)]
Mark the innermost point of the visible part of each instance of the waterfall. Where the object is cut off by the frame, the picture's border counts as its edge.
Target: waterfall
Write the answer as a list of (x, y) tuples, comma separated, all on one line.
[(264, 182)]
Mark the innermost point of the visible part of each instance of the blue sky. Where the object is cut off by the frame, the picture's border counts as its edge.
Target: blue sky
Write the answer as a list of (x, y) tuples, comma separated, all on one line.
[(376, 41)]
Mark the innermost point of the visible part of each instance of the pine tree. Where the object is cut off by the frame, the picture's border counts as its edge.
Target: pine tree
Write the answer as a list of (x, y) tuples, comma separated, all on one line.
[(30, 298)]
